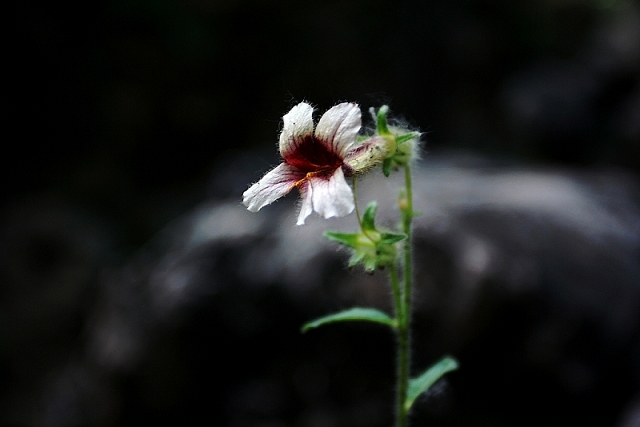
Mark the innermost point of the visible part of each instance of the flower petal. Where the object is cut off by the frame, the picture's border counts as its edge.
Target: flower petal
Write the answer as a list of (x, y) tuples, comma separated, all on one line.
[(331, 195), (298, 125), (306, 192), (275, 184), (338, 127)]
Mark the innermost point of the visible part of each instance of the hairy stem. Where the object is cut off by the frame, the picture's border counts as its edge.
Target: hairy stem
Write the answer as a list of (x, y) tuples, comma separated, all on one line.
[(407, 217), (403, 301), (403, 366), (397, 293)]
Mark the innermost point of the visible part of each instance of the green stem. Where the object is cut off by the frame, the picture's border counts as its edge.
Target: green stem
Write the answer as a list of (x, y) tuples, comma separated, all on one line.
[(407, 217), (403, 302), (403, 367), (355, 201), (397, 295)]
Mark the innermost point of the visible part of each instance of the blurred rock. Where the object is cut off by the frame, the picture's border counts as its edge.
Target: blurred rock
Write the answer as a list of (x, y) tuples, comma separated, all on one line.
[(529, 276)]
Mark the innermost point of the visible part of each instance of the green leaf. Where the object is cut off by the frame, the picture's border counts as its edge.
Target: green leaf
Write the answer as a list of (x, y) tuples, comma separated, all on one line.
[(419, 385), (368, 219), (381, 122), (391, 238), (347, 239), (353, 314)]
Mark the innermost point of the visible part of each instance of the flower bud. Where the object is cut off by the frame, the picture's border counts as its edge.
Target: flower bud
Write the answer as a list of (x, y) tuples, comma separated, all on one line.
[(368, 154)]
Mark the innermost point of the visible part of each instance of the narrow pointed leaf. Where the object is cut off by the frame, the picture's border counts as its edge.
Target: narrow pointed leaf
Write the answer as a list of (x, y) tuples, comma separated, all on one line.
[(421, 384), (368, 219), (353, 314)]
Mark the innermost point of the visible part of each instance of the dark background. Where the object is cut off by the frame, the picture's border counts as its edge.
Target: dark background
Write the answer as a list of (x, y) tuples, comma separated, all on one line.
[(121, 113), (126, 106)]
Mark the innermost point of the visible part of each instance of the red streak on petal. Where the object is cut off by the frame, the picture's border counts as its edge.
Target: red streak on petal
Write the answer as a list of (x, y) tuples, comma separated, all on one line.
[(325, 174)]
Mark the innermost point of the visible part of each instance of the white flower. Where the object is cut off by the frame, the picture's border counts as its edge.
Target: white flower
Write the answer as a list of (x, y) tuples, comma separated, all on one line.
[(317, 162)]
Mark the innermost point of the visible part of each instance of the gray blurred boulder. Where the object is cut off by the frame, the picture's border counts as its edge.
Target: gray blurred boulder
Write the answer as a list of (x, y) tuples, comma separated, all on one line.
[(529, 276)]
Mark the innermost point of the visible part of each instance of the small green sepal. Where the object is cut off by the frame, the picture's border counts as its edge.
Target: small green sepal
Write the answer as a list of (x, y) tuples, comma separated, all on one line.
[(370, 264), (407, 137), (402, 144), (386, 166), (391, 238), (381, 121), (351, 315), (347, 239), (421, 384), (357, 258), (371, 247)]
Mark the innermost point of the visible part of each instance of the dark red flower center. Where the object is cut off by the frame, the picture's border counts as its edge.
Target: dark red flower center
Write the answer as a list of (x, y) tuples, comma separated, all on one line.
[(311, 155)]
